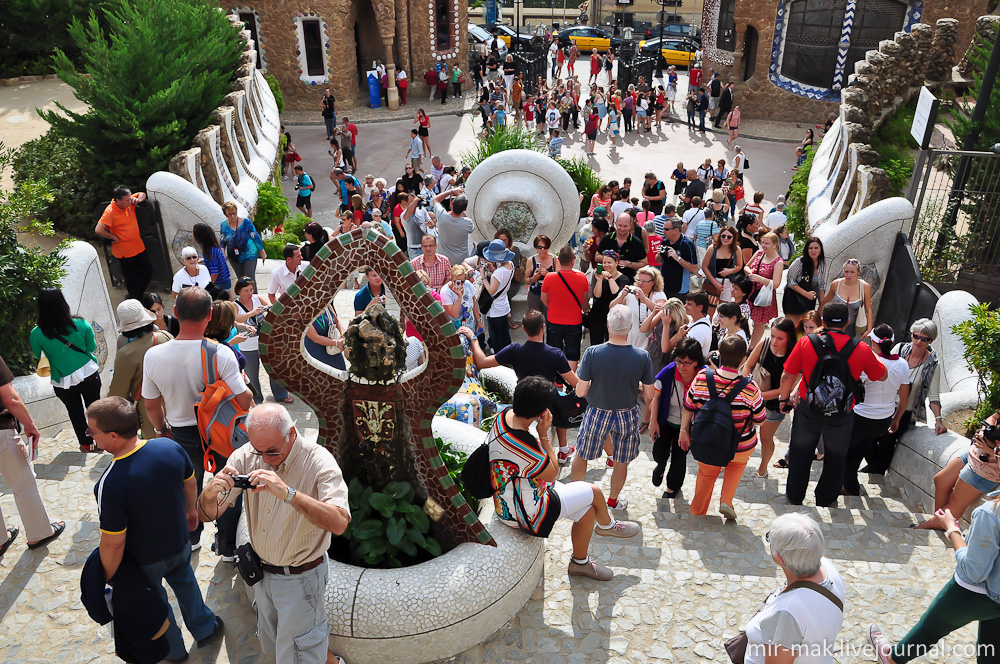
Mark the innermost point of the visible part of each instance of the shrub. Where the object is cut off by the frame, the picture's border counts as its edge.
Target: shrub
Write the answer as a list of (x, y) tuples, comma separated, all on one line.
[(279, 99), (275, 245), (508, 137), (23, 271), (796, 212), (454, 461), (387, 529), (892, 141), (587, 181), (26, 47), (981, 336), (150, 81), (55, 160), (296, 226), (272, 207)]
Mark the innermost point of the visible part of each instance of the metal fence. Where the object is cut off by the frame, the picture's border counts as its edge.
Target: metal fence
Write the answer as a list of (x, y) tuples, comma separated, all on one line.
[(956, 224), (629, 71), (533, 64)]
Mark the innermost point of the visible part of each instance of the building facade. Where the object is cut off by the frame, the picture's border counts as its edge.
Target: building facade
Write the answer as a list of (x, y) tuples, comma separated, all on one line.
[(791, 58), (334, 43)]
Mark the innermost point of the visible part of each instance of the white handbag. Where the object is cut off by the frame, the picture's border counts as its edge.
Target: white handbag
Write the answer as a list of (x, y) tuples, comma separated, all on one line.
[(333, 332)]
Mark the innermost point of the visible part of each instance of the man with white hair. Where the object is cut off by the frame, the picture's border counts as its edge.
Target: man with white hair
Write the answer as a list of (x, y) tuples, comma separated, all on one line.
[(609, 375), (800, 621), (298, 498)]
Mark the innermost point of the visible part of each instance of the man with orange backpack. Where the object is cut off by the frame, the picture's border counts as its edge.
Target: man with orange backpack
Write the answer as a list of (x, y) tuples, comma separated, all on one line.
[(188, 371)]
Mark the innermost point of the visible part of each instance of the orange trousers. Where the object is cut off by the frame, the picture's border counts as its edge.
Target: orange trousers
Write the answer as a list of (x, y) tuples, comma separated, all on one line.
[(730, 480)]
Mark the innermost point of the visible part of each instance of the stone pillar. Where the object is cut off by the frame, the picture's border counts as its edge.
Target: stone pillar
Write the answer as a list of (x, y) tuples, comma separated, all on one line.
[(734, 72), (923, 35), (986, 33), (392, 93), (942, 55)]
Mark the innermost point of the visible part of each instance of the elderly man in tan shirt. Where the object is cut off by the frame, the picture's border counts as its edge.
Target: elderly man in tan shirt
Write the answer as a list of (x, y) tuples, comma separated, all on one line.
[(299, 498)]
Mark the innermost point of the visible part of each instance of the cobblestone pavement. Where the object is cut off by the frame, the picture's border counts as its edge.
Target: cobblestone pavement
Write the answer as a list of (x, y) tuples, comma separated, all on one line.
[(680, 589)]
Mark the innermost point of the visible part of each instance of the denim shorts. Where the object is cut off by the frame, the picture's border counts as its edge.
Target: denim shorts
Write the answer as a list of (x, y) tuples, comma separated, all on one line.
[(774, 416), (974, 480)]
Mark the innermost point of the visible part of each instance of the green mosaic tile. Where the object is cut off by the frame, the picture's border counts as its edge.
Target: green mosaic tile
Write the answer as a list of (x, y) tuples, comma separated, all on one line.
[(435, 308), (458, 374), (324, 251), (265, 328), (345, 239), (293, 290), (392, 248), (371, 235), (457, 351), (277, 308), (447, 482), (309, 272), (405, 269), (484, 536), (471, 518), (436, 461), (429, 442), (419, 289)]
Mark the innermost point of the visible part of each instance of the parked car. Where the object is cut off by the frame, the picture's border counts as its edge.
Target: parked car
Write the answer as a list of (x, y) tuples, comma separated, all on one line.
[(507, 34), (673, 51), (478, 36), (588, 38), (675, 31)]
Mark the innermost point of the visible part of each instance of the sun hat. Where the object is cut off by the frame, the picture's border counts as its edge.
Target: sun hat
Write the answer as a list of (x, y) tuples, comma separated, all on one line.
[(497, 252), (132, 315)]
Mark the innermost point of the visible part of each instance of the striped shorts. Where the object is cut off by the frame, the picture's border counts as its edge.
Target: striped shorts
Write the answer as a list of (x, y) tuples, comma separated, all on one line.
[(623, 425)]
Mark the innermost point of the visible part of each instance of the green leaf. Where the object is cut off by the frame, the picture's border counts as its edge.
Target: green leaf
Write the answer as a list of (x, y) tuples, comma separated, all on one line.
[(432, 547), (416, 536), (383, 503), (408, 547), (406, 508), (368, 529), (397, 489), (420, 520), (395, 530)]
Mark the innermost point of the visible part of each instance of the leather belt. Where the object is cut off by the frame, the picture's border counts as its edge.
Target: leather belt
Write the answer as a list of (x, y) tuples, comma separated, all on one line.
[(287, 570)]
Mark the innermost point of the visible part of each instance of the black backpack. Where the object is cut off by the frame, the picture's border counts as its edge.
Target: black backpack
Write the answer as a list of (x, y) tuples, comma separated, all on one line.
[(832, 388), (714, 345), (714, 436)]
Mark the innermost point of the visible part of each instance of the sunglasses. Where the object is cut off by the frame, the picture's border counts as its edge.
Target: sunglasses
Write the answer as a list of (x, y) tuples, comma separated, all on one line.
[(539, 247), (920, 337), (852, 261)]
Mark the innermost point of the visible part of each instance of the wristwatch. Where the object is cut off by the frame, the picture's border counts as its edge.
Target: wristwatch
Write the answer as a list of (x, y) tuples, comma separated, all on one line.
[(291, 494), (953, 529)]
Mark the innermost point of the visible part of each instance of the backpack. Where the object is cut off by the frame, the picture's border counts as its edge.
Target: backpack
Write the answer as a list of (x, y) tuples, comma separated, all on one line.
[(714, 436), (714, 345), (222, 422), (831, 387)]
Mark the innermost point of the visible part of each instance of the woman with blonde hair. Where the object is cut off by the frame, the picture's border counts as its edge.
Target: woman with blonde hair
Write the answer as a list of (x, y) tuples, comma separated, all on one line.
[(458, 297), (764, 269), (856, 293), (675, 323), (644, 299)]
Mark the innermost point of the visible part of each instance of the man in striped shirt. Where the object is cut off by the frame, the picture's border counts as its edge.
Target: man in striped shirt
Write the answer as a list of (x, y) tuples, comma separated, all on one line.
[(437, 266)]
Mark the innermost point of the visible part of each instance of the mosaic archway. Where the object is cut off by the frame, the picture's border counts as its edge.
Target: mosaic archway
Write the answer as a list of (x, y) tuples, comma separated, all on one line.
[(282, 356)]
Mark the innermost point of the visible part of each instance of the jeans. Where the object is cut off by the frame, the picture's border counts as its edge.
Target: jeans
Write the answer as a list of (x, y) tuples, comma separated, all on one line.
[(701, 121), (953, 608), (245, 269), (225, 538), (331, 125), (555, 67), (666, 447), (198, 618), (137, 271), (499, 333), (806, 432), (690, 115), (77, 399), (864, 432)]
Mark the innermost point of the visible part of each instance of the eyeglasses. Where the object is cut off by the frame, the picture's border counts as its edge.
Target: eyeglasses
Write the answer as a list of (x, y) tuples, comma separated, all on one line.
[(920, 337), (409, 168), (187, 258), (685, 363), (726, 237), (94, 432), (269, 453)]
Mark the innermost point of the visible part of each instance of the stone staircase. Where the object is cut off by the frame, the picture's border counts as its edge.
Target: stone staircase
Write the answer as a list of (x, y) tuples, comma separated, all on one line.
[(690, 582)]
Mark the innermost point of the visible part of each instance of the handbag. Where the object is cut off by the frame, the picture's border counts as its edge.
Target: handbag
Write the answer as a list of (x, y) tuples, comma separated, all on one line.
[(711, 289), (585, 317), (736, 646), (486, 298), (760, 375), (862, 319), (476, 473), (567, 410), (43, 369), (461, 79), (333, 332), (248, 564), (764, 296)]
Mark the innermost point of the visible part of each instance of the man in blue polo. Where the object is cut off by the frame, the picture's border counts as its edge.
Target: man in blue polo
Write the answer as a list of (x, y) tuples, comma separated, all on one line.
[(146, 504)]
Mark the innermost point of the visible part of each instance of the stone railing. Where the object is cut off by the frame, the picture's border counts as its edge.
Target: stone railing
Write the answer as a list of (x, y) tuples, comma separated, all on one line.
[(227, 161), (845, 176)]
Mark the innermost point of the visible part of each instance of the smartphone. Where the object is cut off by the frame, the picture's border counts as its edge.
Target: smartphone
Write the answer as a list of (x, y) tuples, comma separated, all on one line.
[(600, 270)]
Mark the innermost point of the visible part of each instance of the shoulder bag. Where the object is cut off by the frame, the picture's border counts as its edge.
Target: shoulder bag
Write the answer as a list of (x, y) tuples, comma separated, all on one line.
[(333, 332), (736, 647), (584, 311), (486, 298), (760, 375)]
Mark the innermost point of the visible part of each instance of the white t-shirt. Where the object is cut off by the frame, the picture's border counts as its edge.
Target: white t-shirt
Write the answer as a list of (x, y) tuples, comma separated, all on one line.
[(281, 279), (738, 161), (252, 343), (880, 396), (184, 280), (552, 118), (640, 312), (802, 618), (501, 305), (677, 393), (173, 370), (775, 219), (618, 207), (449, 297), (691, 218), (702, 333)]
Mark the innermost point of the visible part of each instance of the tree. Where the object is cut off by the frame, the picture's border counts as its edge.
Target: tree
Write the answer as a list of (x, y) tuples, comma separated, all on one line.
[(31, 31), (151, 81)]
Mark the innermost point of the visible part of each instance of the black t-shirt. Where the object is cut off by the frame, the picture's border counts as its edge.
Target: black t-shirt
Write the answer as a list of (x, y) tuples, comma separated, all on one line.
[(673, 272), (602, 304), (412, 183), (715, 87), (509, 68), (533, 358), (6, 376), (748, 243), (695, 188), (656, 207), (493, 63), (632, 250), (328, 102)]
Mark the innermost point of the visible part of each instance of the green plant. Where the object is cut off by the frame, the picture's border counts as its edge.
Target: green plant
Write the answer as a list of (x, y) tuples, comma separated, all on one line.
[(796, 209), (296, 225), (279, 99), (387, 529), (981, 336), (55, 160), (508, 137), (150, 81), (23, 271), (272, 207), (894, 144), (586, 179), (275, 245), (31, 31), (454, 461)]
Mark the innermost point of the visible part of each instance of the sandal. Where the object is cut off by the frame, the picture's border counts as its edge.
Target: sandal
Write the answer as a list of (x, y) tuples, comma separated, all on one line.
[(288, 399), (11, 536), (781, 463), (90, 449), (57, 529)]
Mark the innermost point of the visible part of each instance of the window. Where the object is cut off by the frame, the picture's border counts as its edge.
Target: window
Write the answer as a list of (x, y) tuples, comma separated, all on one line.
[(313, 39), (250, 21), (726, 39), (812, 40), (874, 20), (442, 25)]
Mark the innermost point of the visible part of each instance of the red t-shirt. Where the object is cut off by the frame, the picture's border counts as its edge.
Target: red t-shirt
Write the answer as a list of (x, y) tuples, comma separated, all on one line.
[(653, 255), (563, 309), (803, 359), (529, 112), (695, 77), (353, 128)]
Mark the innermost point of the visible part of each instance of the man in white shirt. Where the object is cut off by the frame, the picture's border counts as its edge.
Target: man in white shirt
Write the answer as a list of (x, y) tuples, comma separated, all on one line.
[(776, 218), (454, 228), (285, 275), (739, 160), (173, 378), (552, 118), (700, 329), (437, 170), (417, 220), (692, 216)]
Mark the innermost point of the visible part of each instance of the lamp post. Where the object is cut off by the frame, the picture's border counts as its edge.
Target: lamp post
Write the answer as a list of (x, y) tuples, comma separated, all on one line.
[(517, 28), (659, 55)]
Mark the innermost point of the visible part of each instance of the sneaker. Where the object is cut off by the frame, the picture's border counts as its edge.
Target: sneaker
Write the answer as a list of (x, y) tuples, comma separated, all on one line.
[(229, 559), (727, 511), (620, 504), (564, 456), (591, 568), (620, 529), (881, 644)]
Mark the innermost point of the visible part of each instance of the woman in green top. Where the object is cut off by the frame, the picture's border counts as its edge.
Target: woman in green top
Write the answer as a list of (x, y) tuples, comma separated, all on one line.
[(456, 74), (68, 343)]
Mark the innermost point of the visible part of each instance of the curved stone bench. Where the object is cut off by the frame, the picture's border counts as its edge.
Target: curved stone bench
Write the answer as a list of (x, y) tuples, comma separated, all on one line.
[(439, 608)]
